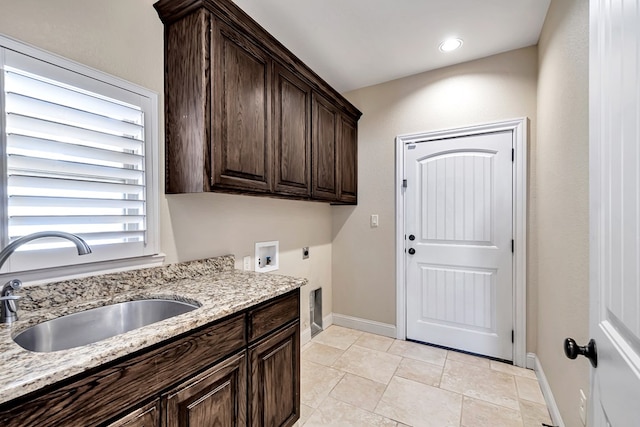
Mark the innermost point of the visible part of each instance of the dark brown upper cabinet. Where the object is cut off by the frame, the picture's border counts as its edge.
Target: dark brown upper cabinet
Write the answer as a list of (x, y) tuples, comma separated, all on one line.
[(245, 115)]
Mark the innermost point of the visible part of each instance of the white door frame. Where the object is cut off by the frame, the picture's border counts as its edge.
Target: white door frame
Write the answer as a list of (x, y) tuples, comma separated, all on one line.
[(519, 127)]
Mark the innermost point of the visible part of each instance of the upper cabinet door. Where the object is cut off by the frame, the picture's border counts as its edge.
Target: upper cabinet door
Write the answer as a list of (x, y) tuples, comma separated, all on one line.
[(240, 109), (292, 133), (348, 160), (325, 149)]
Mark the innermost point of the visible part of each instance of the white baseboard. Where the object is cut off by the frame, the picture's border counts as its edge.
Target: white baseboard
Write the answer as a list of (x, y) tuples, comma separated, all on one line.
[(531, 361), (305, 334), (365, 325), (554, 412)]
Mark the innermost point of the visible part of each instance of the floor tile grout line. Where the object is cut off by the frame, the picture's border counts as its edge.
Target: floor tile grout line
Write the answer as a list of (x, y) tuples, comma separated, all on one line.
[(514, 375)]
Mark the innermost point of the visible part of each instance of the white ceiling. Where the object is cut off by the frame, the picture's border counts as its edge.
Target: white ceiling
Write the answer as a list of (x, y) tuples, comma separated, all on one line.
[(358, 43)]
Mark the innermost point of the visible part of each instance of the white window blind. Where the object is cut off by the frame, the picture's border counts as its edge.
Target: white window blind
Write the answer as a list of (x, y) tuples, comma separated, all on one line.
[(76, 154)]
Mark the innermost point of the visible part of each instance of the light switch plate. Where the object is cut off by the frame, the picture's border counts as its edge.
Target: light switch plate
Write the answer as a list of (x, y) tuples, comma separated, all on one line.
[(247, 263), (374, 220)]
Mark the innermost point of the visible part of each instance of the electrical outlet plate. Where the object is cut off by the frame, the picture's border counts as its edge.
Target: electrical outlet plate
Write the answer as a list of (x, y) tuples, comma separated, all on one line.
[(583, 408), (305, 252), (247, 263)]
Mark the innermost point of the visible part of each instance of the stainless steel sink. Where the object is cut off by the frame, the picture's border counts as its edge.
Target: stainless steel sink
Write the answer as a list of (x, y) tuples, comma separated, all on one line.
[(93, 325)]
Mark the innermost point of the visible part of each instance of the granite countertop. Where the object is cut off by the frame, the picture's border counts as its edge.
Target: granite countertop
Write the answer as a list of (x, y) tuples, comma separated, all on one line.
[(212, 283)]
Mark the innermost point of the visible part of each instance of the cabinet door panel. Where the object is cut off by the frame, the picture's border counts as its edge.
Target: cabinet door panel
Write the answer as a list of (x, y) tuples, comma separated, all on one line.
[(292, 134), (325, 119), (274, 379), (215, 397), (241, 110), (348, 161)]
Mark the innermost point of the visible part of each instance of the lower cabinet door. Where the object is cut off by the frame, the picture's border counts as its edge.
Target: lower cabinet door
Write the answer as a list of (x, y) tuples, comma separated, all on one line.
[(274, 379), (217, 397), (147, 416)]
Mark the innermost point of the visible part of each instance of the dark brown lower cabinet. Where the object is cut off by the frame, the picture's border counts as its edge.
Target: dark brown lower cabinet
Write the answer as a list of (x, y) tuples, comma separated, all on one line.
[(274, 379), (238, 371), (147, 416), (217, 397)]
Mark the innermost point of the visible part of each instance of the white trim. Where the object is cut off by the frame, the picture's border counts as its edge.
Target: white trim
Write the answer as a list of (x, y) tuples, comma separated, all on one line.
[(401, 316), (305, 334), (520, 137), (531, 361), (365, 325), (148, 255), (554, 412)]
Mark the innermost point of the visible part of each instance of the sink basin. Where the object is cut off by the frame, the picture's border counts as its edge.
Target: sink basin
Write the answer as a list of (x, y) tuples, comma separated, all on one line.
[(86, 327)]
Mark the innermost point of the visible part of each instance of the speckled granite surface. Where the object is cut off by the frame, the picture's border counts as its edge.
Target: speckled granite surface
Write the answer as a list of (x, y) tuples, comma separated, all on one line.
[(211, 283)]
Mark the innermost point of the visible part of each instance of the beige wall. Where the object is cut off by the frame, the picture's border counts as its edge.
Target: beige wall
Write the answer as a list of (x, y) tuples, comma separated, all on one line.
[(562, 189), (125, 38), (487, 90)]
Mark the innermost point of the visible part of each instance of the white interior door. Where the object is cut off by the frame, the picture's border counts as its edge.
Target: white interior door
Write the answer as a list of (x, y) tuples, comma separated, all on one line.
[(459, 273), (615, 211)]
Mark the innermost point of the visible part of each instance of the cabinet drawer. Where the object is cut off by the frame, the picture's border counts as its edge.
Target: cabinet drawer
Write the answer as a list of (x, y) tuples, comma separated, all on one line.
[(273, 314)]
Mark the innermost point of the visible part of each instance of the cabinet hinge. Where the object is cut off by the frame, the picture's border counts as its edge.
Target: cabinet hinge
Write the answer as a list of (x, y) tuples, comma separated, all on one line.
[(513, 155), (512, 336), (513, 246), (404, 183)]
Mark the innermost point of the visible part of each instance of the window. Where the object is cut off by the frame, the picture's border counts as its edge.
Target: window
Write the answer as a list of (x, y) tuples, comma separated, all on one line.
[(77, 156)]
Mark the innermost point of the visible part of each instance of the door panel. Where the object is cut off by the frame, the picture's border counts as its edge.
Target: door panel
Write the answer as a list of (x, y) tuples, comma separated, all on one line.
[(274, 379), (459, 211), (241, 108), (215, 397), (348, 161), (292, 134), (325, 119), (615, 210)]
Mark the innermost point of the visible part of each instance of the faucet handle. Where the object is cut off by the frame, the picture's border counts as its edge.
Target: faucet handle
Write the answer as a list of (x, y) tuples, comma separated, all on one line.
[(15, 284), (10, 286)]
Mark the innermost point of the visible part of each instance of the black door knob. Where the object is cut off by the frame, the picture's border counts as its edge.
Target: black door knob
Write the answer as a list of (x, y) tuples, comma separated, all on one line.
[(412, 237), (573, 350), (412, 251)]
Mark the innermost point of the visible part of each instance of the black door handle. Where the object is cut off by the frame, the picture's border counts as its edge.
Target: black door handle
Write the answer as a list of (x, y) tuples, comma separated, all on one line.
[(412, 251), (573, 350)]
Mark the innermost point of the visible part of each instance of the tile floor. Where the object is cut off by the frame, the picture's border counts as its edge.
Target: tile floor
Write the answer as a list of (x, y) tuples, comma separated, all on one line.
[(353, 378)]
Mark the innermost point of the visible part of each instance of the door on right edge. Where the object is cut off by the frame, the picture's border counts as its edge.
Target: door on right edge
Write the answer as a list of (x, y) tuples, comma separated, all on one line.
[(615, 211), (459, 228)]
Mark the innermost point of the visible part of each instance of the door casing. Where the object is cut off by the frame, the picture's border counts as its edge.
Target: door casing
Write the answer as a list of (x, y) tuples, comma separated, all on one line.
[(519, 129)]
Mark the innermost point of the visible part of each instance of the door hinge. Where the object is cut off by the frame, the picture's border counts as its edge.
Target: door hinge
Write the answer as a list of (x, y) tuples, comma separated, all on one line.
[(513, 246), (513, 155), (404, 183), (512, 336)]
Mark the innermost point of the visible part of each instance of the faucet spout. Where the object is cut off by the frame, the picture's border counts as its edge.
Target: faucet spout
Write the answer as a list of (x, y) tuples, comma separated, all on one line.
[(81, 245)]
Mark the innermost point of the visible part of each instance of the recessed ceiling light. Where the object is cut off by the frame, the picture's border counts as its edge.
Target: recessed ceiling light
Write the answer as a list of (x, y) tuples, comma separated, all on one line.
[(450, 45)]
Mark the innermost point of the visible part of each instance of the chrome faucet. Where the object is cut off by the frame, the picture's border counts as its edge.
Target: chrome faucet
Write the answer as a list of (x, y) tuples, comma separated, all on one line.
[(8, 301)]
